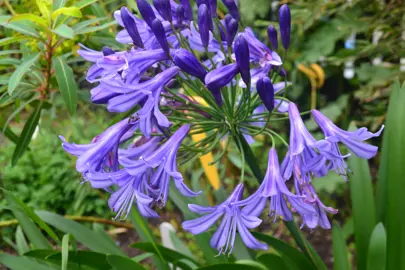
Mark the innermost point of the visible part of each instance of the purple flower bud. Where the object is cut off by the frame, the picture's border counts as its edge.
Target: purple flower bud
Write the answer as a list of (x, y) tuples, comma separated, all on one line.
[(284, 17), (241, 49), (228, 17), (159, 31), (107, 51), (232, 8), (213, 7), (202, 2), (180, 14), (232, 29), (203, 24), (130, 26), (164, 9), (146, 11), (217, 96), (189, 64), (187, 9), (272, 33), (219, 77), (281, 71), (265, 90)]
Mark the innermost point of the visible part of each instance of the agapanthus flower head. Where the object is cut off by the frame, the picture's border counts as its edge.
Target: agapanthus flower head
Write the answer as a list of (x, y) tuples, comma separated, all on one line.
[(265, 90), (234, 219), (241, 50), (232, 8), (203, 24), (272, 34), (284, 17), (130, 25), (164, 9), (185, 60)]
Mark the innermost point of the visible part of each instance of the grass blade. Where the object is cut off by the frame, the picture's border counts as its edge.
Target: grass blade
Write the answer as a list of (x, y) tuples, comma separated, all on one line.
[(340, 260)]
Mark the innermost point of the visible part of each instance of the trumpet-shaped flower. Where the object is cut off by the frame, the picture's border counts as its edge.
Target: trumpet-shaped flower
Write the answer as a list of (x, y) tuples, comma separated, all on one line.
[(234, 219)]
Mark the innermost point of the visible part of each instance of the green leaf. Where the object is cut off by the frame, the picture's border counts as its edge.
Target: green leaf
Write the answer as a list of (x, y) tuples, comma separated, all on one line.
[(68, 11), (44, 7), (9, 40), (123, 263), (57, 4), (31, 230), (9, 134), (26, 28), (84, 3), (298, 258), (21, 243), (64, 31), (340, 260), (91, 259), (361, 192), (272, 261), (28, 211), (180, 246), (81, 233), (67, 84), (84, 24), (26, 134), (392, 177), (377, 251), (230, 266), (20, 72), (95, 28), (167, 254), (65, 251), (29, 17), (23, 263), (316, 259), (142, 228)]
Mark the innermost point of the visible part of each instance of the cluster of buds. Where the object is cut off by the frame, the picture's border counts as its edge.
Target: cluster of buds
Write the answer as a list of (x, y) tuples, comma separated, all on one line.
[(188, 75)]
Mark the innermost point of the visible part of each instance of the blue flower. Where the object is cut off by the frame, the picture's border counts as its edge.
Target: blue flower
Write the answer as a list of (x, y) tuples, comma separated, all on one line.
[(234, 220), (284, 17), (164, 165), (102, 152)]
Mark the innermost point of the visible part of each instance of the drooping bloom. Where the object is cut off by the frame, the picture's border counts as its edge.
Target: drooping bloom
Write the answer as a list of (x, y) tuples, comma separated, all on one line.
[(234, 219), (102, 152), (164, 165), (179, 14), (273, 187), (352, 140), (305, 150), (188, 12), (284, 17), (218, 78)]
